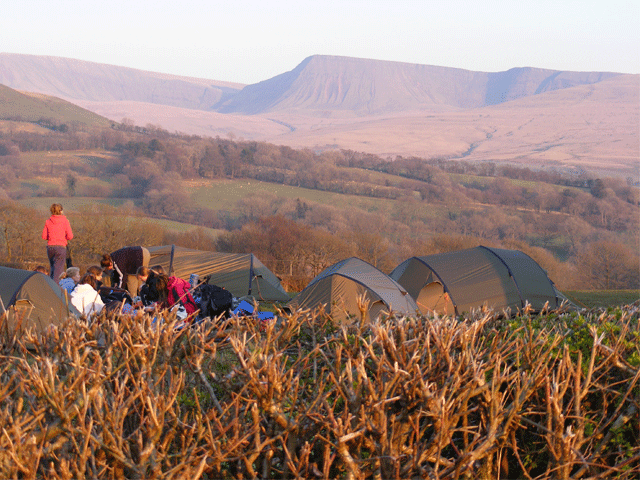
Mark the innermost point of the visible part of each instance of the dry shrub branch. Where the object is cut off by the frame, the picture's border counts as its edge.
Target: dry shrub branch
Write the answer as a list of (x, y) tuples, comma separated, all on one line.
[(549, 396)]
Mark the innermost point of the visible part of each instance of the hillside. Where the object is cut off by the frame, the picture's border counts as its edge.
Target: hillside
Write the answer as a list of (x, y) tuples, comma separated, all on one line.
[(325, 203), (593, 127), (31, 107), (87, 81)]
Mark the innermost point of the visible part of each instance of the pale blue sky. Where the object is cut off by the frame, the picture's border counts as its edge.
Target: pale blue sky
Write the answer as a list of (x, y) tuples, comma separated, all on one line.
[(247, 41)]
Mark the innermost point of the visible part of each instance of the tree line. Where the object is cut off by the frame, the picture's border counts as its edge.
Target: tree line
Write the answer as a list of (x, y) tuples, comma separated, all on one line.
[(439, 204), (295, 251)]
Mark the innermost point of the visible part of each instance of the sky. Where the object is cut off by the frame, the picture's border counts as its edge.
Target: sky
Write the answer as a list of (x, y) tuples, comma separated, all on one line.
[(247, 41)]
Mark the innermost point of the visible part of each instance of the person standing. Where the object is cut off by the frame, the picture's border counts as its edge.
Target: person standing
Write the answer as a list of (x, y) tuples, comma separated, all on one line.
[(57, 232)]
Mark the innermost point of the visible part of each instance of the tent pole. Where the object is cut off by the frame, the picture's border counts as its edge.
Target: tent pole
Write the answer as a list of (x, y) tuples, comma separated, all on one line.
[(250, 273), (513, 279), (173, 249)]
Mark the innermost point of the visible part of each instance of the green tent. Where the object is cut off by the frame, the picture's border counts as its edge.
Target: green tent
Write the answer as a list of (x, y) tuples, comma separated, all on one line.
[(32, 299), (335, 290), (456, 282), (240, 273)]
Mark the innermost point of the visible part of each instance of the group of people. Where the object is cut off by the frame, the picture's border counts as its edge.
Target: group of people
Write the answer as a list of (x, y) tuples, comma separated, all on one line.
[(125, 272)]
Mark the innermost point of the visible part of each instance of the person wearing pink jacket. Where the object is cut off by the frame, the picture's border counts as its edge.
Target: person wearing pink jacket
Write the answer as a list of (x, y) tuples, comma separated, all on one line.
[(57, 232)]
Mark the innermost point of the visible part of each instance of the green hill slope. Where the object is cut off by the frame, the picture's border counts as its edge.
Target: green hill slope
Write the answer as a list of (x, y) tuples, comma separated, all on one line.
[(33, 107)]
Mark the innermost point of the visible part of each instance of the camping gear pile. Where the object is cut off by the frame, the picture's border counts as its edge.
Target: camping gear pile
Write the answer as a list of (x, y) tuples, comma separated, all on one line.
[(244, 275)]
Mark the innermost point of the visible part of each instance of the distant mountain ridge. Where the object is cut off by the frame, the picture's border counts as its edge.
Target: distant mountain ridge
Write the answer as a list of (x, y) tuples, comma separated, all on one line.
[(372, 87), (87, 81), (320, 85), (537, 117)]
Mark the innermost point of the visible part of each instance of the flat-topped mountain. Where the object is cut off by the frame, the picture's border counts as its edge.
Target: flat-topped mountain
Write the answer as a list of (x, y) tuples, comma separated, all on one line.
[(322, 84)]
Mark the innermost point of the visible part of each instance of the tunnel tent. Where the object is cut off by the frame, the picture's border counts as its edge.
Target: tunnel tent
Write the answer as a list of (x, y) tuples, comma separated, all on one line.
[(335, 290), (243, 274), (32, 300), (459, 281)]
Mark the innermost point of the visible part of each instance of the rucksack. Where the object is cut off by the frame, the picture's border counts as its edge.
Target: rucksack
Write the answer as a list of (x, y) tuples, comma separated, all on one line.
[(110, 294), (214, 300)]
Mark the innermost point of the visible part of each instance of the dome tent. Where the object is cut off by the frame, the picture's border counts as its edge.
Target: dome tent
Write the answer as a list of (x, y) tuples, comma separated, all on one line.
[(240, 273), (32, 299), (459, 281), (337, 287)]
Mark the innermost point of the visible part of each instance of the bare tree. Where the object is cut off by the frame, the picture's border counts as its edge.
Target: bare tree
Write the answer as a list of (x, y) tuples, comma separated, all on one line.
[(608, 265)]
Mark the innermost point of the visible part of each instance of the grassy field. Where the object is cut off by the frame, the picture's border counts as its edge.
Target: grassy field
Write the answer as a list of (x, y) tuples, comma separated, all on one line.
[(31, 107), (70, 204), (75, 204), (66, 157), (466, 179), (603, 298), (9, 126), (225, 194)]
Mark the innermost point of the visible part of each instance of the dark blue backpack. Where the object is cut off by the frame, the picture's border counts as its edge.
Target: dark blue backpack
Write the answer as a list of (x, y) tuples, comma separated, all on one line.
[(214, 300)]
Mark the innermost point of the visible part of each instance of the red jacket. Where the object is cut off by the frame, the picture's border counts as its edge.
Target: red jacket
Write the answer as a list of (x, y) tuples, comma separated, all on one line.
[(179, 293), (57, 230)]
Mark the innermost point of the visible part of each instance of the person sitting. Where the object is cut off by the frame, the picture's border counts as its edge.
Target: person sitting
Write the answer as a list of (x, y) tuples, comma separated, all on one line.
[(173, 292), (85, 296), (107, 271), (41, 269), (69, 279), (148, 277), (97, 272)]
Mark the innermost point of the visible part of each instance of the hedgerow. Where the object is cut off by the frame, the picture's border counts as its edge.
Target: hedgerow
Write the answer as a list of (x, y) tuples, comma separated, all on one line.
[(553, 395)]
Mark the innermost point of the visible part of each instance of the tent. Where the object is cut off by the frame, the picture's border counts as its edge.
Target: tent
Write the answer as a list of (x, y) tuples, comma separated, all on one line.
[(240, 273), (336, 288), (32, 299), (456, 282)]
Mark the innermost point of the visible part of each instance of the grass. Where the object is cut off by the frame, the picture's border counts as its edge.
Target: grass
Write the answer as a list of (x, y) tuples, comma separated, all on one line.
[(71, 204), (66, 157), (10, 126), (32, 107), (74, 204), (532, 185), (225, 194), (603, 298)]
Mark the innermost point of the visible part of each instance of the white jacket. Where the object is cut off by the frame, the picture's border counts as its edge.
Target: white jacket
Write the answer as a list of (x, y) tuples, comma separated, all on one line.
[(86, 299)]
